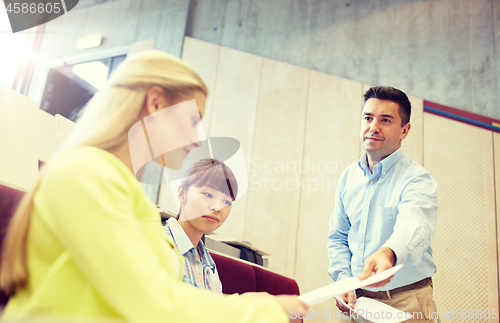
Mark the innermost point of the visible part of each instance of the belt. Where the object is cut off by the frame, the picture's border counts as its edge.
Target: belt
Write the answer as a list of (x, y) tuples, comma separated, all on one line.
[(387, 294)]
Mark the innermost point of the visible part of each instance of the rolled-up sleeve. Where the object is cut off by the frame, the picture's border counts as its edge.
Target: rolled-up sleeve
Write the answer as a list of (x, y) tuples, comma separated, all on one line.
[(416, 220)]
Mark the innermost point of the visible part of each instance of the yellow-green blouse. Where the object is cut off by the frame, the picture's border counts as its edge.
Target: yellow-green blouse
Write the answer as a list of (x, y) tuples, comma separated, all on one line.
[(96, 249)]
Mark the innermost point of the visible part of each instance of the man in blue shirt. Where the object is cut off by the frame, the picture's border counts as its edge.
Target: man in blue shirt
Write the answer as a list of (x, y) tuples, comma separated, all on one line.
[(385, 212)]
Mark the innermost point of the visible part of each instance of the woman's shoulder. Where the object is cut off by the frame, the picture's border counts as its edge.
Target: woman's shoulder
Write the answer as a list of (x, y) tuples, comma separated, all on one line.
[(90, 158), (84, 154), (86, 164)]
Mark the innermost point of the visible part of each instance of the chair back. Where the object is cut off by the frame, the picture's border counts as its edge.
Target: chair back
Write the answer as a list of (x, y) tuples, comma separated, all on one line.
[(9, 199)]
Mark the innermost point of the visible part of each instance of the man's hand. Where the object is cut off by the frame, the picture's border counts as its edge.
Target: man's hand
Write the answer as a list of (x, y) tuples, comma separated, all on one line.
[(382, 259), (349, 298)]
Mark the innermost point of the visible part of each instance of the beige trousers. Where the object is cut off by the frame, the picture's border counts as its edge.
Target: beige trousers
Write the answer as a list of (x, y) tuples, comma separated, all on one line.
[(418, 303)]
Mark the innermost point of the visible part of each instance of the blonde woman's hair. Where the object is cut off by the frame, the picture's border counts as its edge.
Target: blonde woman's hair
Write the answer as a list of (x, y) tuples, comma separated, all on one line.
[(104, 124)]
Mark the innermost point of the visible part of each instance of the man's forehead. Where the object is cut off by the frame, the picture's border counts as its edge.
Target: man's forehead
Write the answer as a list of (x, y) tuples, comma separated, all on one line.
[(380, 107), (387, 115)]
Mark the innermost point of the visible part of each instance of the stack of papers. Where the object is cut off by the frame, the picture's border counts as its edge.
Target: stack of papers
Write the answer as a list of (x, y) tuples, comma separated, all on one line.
[(366, 310), (343, 286)]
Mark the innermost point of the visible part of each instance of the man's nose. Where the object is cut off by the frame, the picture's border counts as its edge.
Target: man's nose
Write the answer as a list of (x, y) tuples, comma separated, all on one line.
[(374, 127)]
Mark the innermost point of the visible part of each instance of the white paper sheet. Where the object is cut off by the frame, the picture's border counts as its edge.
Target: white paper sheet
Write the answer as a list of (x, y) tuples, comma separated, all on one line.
[(326, 292), (368, 310)]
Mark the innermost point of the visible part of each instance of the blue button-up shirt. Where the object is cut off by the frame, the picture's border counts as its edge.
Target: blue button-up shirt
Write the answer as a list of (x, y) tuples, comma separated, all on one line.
[(394, 207), (200, 273)]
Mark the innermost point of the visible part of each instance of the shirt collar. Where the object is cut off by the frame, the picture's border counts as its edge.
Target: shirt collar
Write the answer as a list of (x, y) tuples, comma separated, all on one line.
[(179, 235), (205, 255), (386, 163), (184, 244), (363, 164)]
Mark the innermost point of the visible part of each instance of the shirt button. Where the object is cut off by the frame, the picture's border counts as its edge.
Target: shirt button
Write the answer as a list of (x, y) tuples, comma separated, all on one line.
[(362, 227), (360, 248), (371, 182), (360, 269), (366, 204), (383, 173)]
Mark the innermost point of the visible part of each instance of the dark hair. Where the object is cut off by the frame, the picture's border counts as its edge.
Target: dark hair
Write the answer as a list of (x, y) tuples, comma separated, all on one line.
[(212, 173), (394, 95)]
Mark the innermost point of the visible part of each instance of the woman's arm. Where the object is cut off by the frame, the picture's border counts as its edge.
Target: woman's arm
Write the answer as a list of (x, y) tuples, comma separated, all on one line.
[(90, 204)]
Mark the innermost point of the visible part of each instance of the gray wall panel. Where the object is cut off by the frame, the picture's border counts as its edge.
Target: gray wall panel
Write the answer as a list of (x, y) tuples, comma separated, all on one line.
[(440, 50)]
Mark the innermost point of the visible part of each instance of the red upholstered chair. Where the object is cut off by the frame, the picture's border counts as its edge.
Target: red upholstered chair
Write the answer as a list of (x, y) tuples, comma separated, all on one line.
[(9, 198), (235, 276), (273, 283), (239, 277)]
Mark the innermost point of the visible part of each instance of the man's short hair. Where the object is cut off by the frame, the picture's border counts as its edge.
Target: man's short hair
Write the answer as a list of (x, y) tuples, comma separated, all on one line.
[(394, 95)]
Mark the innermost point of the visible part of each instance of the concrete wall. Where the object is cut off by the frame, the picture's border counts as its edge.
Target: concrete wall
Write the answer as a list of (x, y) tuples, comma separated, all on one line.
[(121, 22), (439, 50)]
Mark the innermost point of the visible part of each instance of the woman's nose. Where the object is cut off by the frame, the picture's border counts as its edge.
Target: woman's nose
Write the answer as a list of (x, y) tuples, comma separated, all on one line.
[(216, 206), (195, 139)]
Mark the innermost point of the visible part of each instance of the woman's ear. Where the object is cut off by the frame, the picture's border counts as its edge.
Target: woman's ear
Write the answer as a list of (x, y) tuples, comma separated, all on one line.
[(181, 194), (155, 100)]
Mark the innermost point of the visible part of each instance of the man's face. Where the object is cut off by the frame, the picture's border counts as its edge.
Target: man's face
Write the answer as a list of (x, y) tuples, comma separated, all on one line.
[(381, 130)]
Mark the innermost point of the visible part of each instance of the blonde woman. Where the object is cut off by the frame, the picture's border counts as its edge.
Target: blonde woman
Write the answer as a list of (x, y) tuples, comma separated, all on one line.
[(87, 243)]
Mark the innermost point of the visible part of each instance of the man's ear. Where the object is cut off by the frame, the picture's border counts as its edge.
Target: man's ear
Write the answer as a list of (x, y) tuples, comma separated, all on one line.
[(155, 100), (406, 129)]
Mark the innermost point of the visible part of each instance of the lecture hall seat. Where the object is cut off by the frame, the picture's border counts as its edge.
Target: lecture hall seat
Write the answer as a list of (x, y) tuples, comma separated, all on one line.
[(9, 198)]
